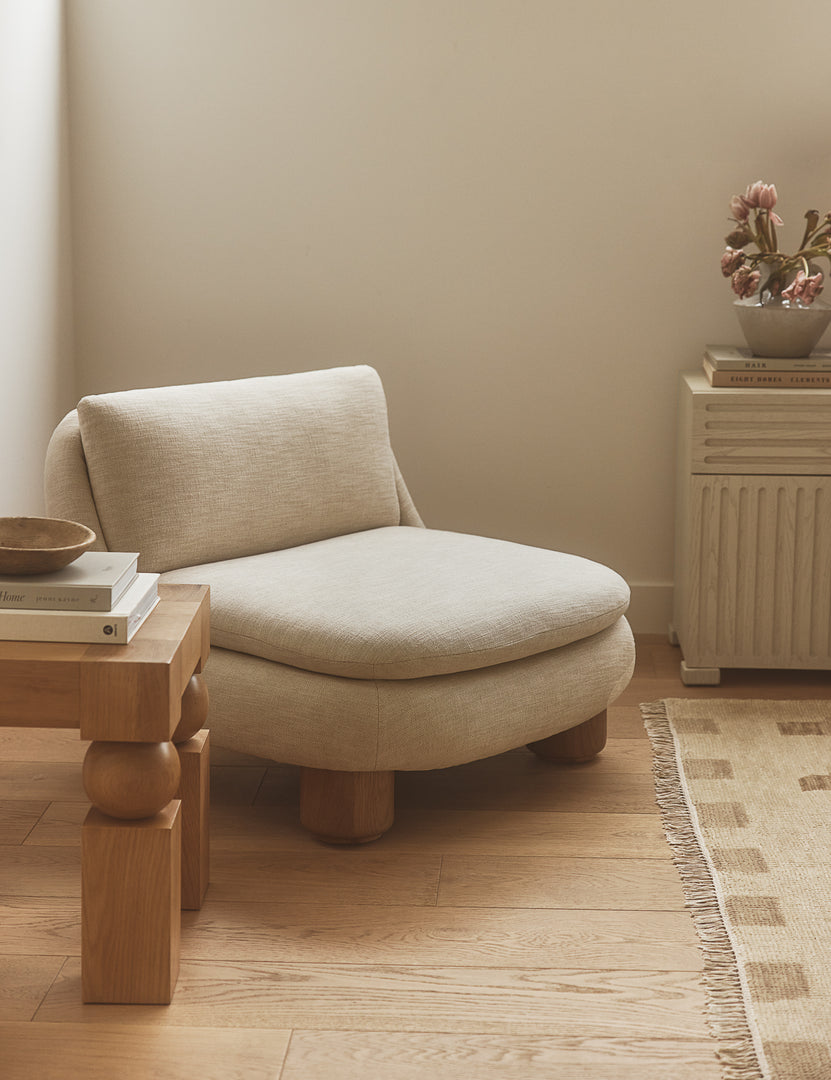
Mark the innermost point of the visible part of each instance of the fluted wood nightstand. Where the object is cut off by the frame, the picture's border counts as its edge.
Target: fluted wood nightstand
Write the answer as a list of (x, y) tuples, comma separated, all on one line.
[(753, 529)]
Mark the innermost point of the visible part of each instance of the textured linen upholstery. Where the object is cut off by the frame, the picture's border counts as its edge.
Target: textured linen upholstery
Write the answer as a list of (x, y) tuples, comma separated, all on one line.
[(363, 725), (193, 474), (404, 603), (346, 637), (66, 480)]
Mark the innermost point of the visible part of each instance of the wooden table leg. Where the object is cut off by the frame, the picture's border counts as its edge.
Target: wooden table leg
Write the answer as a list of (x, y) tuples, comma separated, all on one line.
[(193, 745), (131, 874)]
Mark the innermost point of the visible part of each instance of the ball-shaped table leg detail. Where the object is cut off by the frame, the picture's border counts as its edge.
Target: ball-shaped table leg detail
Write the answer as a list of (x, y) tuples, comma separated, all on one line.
[(194, 709), (131, 780)]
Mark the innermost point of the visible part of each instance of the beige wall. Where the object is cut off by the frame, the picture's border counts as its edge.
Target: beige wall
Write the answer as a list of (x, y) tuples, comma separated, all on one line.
[(35, 319), (514, 209)]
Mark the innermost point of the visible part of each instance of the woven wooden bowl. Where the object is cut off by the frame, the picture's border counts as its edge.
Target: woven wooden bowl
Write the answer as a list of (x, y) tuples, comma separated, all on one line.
[(39, 545)]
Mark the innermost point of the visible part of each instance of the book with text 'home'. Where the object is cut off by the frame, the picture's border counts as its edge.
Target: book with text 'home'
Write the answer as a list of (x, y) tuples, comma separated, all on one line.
[(115, 627), (737, 358), (95, 581), (773, 380)]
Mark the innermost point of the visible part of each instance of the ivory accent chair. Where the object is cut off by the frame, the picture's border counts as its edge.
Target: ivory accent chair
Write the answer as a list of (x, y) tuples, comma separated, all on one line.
[(347, 638)]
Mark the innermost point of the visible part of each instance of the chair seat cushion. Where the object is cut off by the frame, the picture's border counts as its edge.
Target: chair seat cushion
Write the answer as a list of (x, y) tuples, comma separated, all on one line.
[(403, 603)]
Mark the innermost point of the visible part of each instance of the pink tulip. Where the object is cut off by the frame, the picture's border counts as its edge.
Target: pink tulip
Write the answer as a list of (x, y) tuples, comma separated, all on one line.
[(739, 209), (761, 195)]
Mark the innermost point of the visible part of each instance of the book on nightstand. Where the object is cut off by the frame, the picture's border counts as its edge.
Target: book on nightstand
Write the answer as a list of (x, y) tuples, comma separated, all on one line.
[(737, 358), (115, 627), (773, 378), (93, 582)]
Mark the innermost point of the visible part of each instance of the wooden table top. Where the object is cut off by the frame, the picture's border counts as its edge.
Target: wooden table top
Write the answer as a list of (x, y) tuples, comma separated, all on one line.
[(116, 692)]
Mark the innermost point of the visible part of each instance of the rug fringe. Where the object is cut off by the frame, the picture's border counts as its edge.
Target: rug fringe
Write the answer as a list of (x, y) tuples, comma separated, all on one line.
[(726, 1005)]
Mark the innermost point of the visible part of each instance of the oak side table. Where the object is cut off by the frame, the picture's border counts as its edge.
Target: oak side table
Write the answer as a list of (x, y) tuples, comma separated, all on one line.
[(144, 843), (753, 529)]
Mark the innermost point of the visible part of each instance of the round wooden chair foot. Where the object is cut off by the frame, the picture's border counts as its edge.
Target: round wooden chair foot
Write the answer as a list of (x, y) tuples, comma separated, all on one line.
[(577, 744), (346, 807)]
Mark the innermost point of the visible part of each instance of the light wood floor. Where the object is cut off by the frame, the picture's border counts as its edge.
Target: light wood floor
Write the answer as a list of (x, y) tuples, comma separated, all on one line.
[(521, 921)]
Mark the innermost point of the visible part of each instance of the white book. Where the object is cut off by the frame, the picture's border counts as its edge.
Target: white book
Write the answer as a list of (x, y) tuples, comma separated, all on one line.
[(115, 627), (95, 581), (738, 358)]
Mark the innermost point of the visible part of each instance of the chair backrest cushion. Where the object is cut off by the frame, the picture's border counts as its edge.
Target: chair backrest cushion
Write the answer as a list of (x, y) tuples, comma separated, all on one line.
[(209, 471)]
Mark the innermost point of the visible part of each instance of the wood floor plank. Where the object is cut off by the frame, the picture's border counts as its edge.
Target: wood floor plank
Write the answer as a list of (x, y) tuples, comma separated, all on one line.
[(236, 827), (236, 784), (35, 927), (338, 933), (625, 724), (280, 786), (512, 782), (105, 1051), (499, 832), (59, 825), (42, 744), (40, 871), (359, 875), (331, 932), (356, 1055), (519, 882), (349, 997), (18, 818), (24, 982), (41, 780)]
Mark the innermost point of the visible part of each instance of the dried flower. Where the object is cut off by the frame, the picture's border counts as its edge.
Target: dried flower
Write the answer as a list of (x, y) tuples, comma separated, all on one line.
[(731, 260), (804, 288), (738, 238), (756, 223), (745, 281)]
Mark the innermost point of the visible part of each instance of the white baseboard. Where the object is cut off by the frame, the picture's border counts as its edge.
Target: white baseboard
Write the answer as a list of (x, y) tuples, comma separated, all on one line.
[(650, 611)]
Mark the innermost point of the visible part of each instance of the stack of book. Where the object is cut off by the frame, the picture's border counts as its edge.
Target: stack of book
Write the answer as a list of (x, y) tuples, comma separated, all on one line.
[(728, 365), (98, 598)]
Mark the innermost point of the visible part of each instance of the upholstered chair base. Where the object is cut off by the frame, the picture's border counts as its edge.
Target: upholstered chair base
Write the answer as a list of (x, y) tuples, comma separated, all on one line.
[(324, 722), (577, 744), (346, 807)]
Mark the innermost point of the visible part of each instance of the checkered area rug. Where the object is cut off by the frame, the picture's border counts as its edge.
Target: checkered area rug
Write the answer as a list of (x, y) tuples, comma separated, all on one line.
[(744, 789)]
